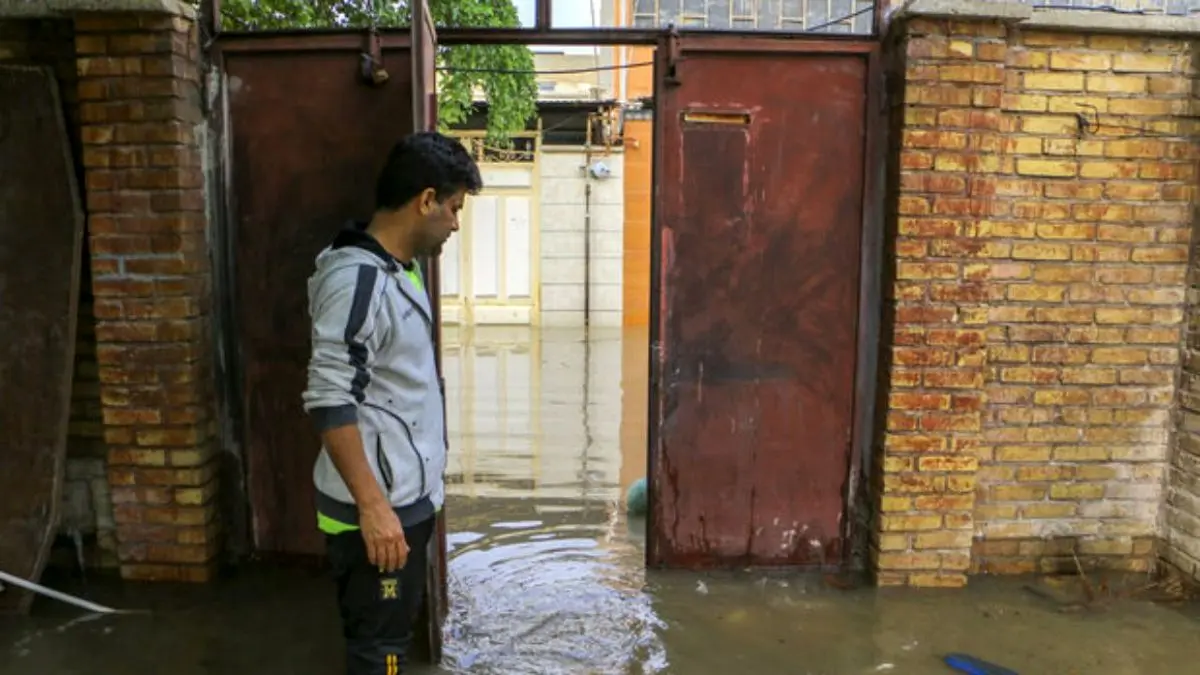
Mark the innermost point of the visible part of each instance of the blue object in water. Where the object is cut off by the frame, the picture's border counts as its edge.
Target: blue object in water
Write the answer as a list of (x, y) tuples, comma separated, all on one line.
[(635, 499), (964, 663)]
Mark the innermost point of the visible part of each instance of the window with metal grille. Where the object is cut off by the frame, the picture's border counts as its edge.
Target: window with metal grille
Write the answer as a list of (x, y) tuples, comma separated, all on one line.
[(840, 16), (825, 16)]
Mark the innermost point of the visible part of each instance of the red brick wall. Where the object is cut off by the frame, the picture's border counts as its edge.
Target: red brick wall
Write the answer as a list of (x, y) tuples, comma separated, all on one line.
[(139, 90)]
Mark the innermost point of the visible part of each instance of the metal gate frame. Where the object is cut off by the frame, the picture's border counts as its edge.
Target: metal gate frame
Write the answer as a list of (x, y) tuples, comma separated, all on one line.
[(420, 41), (671, 44), (672, 48)]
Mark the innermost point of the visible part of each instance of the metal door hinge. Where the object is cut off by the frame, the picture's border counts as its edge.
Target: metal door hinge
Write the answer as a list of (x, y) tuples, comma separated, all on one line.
[(674, 53), (373, 72)]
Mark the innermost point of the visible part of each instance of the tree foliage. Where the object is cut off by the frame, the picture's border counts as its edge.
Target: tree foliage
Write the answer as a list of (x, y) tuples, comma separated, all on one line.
[(511, 96)]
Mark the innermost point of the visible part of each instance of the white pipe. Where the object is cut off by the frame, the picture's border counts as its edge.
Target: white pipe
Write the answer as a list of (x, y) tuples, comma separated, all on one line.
[(57, 595)]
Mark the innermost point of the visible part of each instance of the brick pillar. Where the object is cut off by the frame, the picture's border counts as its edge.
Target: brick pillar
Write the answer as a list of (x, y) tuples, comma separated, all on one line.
[(949, 155), (140, 103)]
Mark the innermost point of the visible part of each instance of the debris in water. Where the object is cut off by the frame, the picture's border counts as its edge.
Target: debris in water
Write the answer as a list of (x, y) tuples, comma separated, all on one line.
[(1088, 591), (77, 539), (636, 501), (885, 666), (965, 663), (701, 588), (57, 595), (842, 582)]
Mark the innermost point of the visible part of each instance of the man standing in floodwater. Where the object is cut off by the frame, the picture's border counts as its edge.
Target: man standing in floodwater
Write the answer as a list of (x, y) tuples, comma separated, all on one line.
[(375, 397)]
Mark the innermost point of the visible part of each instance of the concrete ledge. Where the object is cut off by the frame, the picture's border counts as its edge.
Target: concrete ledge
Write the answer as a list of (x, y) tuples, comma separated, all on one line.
[(996, 10), (1111, 22), (33, 9), (1026, 16)]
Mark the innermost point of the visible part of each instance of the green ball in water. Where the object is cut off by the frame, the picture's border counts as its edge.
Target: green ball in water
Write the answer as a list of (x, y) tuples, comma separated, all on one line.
[(636, 499)]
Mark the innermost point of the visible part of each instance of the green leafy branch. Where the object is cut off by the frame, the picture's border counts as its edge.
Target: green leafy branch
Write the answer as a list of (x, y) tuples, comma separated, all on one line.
[(511, 96)]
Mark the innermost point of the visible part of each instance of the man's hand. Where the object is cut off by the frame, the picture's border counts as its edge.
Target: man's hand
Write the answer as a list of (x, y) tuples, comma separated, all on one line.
[(381, 529)]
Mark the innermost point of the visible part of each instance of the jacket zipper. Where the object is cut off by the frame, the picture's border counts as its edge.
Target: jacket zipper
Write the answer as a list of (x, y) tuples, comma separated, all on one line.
[(445, 426), (411, 443), (385, 467)]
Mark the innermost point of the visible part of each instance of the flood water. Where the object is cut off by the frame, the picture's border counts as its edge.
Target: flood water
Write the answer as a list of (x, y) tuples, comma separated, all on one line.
[(547, 576)]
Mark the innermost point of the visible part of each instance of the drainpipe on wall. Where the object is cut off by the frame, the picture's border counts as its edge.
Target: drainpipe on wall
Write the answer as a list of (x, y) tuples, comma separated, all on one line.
[(587, 225), (587, 302)]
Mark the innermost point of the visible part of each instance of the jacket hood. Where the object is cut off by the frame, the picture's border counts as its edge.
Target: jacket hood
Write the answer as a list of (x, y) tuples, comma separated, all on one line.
[(353, 246)]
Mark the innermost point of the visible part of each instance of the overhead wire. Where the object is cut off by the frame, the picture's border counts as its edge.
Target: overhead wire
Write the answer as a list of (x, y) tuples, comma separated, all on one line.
[(555, 71), (1108, 9), (834, 22), (638, 64)]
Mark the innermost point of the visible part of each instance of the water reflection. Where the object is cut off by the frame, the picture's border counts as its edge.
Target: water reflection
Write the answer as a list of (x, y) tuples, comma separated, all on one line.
[(539, 414), (545, 576), (551, 597)]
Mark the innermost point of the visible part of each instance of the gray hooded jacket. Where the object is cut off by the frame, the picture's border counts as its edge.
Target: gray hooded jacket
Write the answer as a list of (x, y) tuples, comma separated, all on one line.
[(373, 363)]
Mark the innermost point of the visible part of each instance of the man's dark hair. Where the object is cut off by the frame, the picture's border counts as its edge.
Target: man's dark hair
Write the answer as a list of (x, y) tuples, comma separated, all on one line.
[(421, 161)]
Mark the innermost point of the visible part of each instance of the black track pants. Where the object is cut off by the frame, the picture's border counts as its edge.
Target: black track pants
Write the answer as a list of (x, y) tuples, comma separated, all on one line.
[(378, 609)]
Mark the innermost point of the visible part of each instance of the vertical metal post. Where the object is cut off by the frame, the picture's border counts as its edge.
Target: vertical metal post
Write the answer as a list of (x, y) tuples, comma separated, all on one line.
[(543, 16), (210, 16)]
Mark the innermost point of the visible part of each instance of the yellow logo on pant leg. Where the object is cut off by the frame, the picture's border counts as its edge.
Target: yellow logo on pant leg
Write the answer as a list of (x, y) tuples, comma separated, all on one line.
[(388, 589)]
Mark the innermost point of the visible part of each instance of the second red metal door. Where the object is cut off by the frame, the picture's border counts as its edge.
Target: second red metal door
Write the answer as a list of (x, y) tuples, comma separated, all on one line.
[(758, 220)]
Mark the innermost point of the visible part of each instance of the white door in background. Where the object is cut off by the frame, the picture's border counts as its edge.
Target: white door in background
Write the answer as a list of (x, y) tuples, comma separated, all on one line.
[(489, 269)]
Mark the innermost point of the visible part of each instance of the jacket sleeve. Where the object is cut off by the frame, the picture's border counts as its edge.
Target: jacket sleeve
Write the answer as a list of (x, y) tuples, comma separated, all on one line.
[(344, 309)]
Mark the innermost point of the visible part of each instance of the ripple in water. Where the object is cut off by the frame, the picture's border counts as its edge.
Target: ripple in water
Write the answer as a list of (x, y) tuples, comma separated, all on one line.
[(532, 597)]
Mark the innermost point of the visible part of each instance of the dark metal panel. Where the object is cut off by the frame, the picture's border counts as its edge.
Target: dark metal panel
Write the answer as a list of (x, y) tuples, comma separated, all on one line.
[(308, 137), (235, 508), (870, 294), (306, 41), (41, 240), (436, 606), (759, 211), (393, 38), (756, 43), (655, 357)]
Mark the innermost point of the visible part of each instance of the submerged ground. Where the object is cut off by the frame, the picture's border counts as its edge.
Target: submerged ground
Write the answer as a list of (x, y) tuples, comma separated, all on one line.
[(547, 574)]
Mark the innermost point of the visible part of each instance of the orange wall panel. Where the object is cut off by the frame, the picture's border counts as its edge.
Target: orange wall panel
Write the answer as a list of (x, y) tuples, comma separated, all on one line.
[(639, 144)]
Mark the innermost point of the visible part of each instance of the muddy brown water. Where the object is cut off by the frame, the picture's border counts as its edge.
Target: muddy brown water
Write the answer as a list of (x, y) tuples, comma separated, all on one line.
[(547, 574)]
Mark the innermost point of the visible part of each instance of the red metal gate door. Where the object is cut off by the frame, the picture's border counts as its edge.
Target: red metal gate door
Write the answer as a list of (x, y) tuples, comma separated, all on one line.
[(307, 137), (758, 220)]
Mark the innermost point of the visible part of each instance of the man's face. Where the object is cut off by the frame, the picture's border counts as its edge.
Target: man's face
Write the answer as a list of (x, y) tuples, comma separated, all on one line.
[(438, 221)]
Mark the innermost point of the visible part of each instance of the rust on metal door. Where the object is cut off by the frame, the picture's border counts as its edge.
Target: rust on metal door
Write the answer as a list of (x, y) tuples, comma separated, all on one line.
[(310, 128), (41, 240), (758, 221)]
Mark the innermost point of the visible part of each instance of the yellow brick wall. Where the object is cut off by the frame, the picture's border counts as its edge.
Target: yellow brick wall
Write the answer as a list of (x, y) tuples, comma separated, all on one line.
[(1043, 207)]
